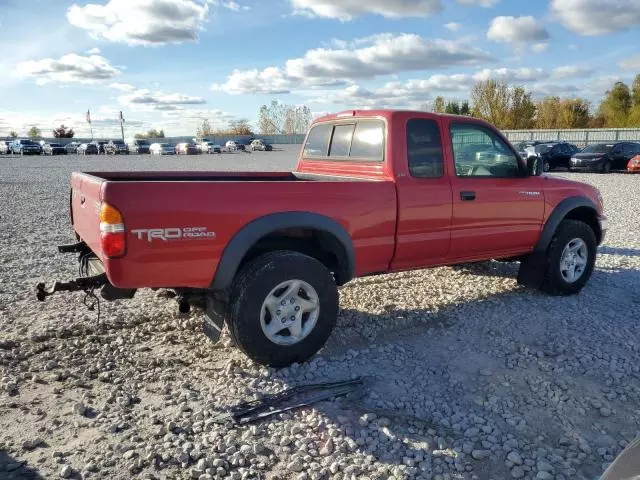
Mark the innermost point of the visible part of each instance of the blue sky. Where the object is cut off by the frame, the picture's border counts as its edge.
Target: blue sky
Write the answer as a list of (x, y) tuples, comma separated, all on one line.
[(171, 63)]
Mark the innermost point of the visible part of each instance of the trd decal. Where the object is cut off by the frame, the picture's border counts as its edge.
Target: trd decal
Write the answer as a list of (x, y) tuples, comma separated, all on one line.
[(166, 234)]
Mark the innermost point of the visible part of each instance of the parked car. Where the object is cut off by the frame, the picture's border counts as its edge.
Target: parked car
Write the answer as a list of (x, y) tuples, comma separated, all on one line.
[(209, 147), (259, 144), (552, 154), (231, 146), (5, 146), (603, 157), (88, 149), (53, 149), (242, 145), (272, 274), (116, 147), (140, 146), (25, 147), (72, 147), (187, 148), (100, 145), (634, 164), (162, 149)]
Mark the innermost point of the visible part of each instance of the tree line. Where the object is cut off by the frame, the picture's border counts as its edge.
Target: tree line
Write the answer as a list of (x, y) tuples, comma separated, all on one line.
[(513, 108)]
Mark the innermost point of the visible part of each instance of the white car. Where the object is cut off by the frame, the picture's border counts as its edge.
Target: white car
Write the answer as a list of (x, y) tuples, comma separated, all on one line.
[(162, 149), (209, 147), (231, 146)]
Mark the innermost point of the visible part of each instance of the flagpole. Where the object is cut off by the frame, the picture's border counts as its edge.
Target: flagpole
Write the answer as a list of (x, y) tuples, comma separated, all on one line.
[(121, 126)]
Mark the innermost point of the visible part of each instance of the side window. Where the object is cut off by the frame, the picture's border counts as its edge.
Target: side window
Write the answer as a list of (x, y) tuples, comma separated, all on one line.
[(617, 149), (368, 141), (424, 148), (318, 141), (478, 152), (341, 140)]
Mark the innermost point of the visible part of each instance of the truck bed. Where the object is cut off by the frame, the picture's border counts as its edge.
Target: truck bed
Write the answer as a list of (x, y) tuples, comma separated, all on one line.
[(222, 203)]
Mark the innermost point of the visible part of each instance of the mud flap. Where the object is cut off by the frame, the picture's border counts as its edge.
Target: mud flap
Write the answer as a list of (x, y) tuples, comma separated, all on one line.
[(213, 320), (532, 270)]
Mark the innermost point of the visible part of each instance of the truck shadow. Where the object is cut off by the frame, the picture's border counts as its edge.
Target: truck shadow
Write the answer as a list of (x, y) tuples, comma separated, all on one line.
[(14, 469)]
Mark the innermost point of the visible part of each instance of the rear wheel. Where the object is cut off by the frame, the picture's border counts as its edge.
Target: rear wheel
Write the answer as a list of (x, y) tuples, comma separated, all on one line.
[(606, 167), (571, 258), (282, 308)]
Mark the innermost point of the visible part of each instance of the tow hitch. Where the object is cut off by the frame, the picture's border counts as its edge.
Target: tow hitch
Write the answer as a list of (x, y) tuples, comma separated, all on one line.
[(79, 284)]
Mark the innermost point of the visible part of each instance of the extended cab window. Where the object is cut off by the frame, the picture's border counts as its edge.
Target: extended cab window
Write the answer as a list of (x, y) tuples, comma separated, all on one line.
[(341, 140), (318, 141), (479, 152), (359, 140), (424, 148)]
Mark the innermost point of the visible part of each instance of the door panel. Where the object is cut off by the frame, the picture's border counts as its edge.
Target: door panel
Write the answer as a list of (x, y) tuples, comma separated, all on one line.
[(506, 210), (424, 198)]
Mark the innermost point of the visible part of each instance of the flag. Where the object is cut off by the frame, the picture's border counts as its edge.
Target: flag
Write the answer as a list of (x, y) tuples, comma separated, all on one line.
[(88, 117), (121, 117)]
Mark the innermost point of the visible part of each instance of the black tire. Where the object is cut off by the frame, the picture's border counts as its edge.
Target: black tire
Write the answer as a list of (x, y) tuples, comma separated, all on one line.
[(252, 286), (606, 167), (553, 282)]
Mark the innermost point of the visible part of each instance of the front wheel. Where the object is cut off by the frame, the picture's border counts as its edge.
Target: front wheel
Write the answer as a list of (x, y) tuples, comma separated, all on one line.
[(571, 258), (282, 308)]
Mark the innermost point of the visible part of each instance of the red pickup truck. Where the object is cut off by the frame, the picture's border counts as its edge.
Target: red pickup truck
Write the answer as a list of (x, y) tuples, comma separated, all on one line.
[(374, 192)]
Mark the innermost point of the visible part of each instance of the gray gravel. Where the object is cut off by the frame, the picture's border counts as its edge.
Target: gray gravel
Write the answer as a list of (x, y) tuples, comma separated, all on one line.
[(468, 375)]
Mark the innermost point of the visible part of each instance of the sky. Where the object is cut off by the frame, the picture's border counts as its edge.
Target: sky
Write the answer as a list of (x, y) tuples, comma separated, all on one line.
[(172, 63)]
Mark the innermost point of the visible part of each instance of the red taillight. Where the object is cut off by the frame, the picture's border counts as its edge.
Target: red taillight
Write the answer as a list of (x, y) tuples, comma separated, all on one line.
[(112, 233)]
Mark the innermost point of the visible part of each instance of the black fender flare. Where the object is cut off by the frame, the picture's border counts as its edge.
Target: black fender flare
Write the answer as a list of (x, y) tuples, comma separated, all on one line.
[(559, 213), (251, 233)]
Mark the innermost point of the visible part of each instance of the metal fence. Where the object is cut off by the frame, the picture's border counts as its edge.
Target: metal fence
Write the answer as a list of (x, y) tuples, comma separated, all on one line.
[(580, 138)]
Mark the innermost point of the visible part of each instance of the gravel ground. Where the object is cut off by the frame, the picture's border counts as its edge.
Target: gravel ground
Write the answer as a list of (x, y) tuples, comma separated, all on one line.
[(468, 375)]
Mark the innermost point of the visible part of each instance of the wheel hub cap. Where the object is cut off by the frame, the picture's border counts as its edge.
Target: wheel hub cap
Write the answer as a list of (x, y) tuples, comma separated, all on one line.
[(573, 261), (290, 312)]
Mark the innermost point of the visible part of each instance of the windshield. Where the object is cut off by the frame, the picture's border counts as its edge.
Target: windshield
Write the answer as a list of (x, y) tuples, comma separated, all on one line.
[(142, 142), (598, 148), (27, 142), (165, 145), (54, 144), (544, 148)]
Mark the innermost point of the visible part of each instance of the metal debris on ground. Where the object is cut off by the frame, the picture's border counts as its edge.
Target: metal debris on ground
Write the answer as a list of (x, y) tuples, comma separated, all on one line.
[(287, 400)]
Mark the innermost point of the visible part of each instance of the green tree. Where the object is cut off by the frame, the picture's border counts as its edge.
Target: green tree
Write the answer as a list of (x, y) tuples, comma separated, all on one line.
[(452, 107), (635, 91), (547, 112), (574, 113), (521, 109), (491, 100), (13, 134), (464, 108), (63, 132), (439, 105), (34, 132), (616, 105)]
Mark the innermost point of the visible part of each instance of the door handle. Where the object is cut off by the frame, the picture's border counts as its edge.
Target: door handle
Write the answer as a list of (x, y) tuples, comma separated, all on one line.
[(467, 196)]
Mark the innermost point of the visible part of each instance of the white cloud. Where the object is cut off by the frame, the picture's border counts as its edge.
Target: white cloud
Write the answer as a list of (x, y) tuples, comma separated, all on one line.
[(123, 87), (453, 26), (540, 47), (479, 3), (571, 71), (70, 68), (554, 90), (631, 63), (236, 7), (516, 30), (144, 98), (597, 17), (141, 22), (415, 93), (382, 54), (346, 10), (93, 51)]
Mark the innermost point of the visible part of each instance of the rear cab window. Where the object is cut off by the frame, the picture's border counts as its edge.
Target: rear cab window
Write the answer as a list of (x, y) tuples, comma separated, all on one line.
[(356, 140)]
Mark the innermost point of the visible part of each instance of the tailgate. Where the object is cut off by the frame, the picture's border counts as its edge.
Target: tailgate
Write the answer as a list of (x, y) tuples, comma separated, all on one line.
[(86, 199)]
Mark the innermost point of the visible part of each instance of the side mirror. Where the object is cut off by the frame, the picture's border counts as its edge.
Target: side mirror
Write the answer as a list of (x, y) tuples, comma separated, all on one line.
[(534, 166)]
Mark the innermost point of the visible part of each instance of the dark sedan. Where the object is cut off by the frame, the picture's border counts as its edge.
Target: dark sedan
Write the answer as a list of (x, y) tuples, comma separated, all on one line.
[(54, 149), (552, 154), (88, 149), (25, 147), (604, 157)]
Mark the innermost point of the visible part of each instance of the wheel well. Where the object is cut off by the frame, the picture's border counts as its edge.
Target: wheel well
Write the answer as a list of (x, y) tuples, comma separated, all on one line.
[(319, 244), (588, 216)]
